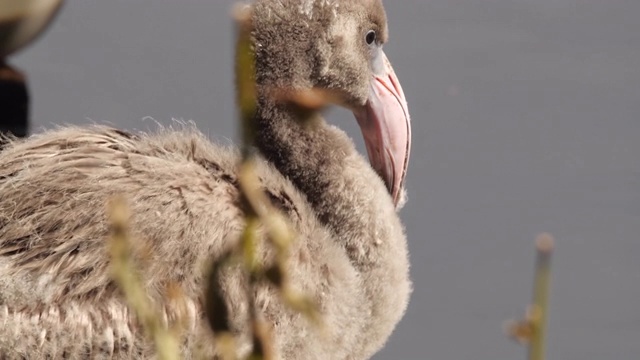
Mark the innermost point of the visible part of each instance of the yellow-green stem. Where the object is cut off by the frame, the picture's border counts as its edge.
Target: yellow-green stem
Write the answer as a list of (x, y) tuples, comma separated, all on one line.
[(125, 274), (539, 309), (245, 78)]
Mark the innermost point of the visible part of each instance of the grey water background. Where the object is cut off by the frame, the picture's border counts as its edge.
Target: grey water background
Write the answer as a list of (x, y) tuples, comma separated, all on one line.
[(526, 118)]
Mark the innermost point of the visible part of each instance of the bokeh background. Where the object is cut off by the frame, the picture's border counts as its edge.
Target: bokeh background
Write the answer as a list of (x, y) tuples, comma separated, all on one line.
[(526, 118)]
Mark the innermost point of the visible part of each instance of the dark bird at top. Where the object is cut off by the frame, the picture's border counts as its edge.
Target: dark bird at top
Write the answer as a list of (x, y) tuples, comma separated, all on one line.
[(57, 298)]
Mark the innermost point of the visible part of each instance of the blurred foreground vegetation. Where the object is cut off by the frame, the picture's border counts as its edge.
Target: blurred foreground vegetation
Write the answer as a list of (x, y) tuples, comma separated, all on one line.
[(530, 331)]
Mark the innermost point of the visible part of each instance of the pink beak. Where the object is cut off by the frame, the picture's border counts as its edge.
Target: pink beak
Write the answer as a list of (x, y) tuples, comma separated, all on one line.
[(386, 127)]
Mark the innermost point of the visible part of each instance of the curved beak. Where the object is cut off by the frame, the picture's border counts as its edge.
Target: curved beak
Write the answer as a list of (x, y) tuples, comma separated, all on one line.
[(386, 127)]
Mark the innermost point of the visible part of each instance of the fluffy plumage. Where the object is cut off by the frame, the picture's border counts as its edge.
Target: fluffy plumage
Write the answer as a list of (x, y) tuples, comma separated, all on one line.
[(56, 297)]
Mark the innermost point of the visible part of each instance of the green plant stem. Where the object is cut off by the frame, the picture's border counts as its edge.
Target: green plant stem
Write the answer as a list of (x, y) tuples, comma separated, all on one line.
[(126, 276), (245, 80), (539, 309)]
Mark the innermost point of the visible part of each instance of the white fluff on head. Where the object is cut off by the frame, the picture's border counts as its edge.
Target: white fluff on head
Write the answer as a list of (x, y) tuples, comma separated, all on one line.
[(306, 6)]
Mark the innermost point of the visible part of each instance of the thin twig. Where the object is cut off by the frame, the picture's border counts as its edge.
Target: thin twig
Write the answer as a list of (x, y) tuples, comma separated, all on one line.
[(544, 247), (531, 331), (125, 274), (258, 211)]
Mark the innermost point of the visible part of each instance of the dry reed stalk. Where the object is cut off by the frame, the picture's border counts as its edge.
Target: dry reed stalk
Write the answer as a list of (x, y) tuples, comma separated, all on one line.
[(531, 331), (125, 274), (258, 212)]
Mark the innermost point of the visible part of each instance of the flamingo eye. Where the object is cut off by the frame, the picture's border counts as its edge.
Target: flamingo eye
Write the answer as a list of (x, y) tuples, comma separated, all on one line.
[(371, 37)]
